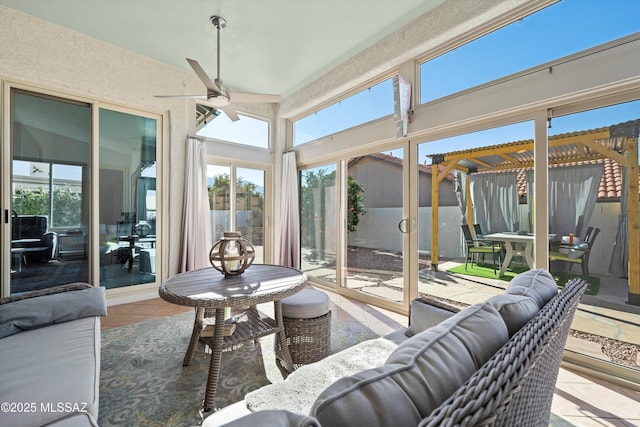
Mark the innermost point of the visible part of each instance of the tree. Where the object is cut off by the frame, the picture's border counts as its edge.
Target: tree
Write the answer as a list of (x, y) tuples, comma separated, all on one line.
[(248, 198), (30, 202), (67, 205), (355, 203)]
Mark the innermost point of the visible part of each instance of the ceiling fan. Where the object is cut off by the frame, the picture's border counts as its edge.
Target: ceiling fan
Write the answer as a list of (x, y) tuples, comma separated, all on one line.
[(218, 95)]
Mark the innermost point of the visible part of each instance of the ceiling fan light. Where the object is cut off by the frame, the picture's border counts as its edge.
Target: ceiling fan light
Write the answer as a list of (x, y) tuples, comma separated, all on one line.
[(218, 101)]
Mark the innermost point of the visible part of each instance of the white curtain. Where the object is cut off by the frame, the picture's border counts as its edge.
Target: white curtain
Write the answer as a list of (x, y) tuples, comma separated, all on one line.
[(196, 226), (619, 263), (495, 201), (573, 192), (289, 254), (461, 194)]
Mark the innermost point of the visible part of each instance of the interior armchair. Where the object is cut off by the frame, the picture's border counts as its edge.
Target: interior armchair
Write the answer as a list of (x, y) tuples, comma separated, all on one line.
[(29, 234), (577, 253)]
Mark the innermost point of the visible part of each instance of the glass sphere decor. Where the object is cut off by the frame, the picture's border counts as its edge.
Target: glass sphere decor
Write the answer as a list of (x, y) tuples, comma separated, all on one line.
[(232, 254)]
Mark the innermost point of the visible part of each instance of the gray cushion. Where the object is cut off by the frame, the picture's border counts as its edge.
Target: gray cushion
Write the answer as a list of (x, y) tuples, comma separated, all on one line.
[(516, 310), (306, 304), (537, 284), (578, 250), (33, 313), (418, 376), (279, 418), (423, 316)]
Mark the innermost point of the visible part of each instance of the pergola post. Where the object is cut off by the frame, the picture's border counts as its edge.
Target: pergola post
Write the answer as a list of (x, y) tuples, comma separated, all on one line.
[(434, 215)]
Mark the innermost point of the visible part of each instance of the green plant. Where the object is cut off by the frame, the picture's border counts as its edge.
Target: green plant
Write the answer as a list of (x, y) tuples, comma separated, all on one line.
[(355, 203)]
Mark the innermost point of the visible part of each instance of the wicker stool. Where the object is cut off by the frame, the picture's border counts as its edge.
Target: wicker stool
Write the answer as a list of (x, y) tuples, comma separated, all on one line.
[(307, 326)]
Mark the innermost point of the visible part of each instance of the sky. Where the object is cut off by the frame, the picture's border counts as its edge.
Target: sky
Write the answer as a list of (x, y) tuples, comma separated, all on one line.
[(557, 31)]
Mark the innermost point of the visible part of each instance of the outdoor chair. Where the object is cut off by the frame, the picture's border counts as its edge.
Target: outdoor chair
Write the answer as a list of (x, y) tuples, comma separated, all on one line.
[(477, 228), (576, 254), (476, 248)]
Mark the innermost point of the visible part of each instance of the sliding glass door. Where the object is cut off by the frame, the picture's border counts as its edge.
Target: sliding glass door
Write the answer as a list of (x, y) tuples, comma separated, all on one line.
[(128, 205), (50, 187), (71, 219), (377, 225)]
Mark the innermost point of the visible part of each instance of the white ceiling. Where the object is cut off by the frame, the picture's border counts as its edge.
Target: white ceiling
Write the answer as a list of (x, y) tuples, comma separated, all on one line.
[(269, 46)]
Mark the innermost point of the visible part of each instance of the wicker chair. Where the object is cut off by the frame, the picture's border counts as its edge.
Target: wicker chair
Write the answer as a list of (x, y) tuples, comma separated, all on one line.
[(515, 387)]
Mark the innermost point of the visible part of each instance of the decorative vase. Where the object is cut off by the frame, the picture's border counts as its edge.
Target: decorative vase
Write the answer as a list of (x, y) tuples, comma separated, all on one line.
[(232, 254)]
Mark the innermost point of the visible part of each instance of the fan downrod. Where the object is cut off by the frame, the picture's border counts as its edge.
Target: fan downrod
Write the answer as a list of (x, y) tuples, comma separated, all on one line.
[(219, 22)]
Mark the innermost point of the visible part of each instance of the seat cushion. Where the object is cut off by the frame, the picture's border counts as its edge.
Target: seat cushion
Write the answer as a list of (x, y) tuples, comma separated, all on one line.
[(537, 284), (50, 365), (418, 376), (306, 304)]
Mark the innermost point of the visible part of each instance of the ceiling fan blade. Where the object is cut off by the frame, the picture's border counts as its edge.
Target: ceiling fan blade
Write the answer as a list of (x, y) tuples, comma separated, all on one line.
[(203, 75), (230, 112), (181, 96), (253, 97)]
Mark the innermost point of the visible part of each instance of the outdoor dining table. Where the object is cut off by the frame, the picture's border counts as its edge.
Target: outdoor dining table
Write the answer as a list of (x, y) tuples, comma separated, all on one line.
[(515, 245)]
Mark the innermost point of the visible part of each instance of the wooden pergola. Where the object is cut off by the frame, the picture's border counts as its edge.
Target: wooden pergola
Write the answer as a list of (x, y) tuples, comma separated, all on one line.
[(618, 143)]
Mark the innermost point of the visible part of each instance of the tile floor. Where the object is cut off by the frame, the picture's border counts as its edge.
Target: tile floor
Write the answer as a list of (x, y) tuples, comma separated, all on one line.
[(579, 400)]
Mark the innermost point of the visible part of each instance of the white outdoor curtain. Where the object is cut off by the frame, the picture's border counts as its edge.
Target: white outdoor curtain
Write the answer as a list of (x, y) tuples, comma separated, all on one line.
[(289, 254), (495, 201), (461, 194), (573, 192), (619, 263), (196, 226)]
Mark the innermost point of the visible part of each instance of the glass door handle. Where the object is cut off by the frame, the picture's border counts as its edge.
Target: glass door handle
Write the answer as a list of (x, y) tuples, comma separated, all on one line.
[(402, 225)]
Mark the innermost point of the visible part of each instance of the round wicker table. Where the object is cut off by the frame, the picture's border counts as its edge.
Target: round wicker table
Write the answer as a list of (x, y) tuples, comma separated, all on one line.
[(211, 292)]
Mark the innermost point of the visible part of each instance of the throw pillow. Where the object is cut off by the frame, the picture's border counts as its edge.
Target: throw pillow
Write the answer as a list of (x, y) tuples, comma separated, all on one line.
[(46, 310), (418, 376), (578, 250), (423, 315), (516, 310), (537, 284)]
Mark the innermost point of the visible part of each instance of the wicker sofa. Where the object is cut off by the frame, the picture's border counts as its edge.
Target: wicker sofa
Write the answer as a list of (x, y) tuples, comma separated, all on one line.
[(494, 363), (50, 356)]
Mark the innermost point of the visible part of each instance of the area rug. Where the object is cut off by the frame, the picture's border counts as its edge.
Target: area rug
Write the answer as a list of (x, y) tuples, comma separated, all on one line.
[(143, 382), (486, 272)]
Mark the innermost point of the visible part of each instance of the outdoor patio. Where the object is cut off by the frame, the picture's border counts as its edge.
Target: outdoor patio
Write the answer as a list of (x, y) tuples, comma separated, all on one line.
[(604, 327)]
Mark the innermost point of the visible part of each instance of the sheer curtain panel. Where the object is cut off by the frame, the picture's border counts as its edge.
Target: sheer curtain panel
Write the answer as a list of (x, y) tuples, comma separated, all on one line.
[(196, 227), (289, 254)]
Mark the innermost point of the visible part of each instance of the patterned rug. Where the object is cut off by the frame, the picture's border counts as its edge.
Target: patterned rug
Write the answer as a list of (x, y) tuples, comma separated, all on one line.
[(143, 382)]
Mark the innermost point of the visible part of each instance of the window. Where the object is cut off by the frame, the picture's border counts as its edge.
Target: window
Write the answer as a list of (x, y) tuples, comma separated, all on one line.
[(248, 130), (364, 106), (559, 30), (51, 189), (237, 203)]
